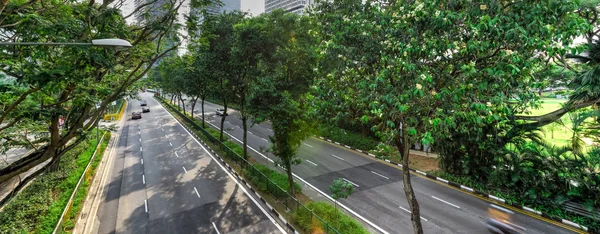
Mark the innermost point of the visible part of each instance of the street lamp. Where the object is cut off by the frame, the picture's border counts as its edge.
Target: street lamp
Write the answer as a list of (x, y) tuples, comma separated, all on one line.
[(117, 44)]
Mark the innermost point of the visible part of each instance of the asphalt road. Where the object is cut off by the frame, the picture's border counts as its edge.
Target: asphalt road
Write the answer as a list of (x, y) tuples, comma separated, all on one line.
[(379, 195), (163, 181)]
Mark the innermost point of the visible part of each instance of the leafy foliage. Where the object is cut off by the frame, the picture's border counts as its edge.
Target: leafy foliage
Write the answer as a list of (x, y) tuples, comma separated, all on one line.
[(347, 137), (281, 180), (330, 215)]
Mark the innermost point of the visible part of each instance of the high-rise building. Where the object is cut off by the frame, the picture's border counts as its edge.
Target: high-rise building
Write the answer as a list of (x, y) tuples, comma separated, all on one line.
[(225, 6), (293, 6)]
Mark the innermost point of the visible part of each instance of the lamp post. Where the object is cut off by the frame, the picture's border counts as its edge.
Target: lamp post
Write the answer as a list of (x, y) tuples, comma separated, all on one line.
[(117, 44)]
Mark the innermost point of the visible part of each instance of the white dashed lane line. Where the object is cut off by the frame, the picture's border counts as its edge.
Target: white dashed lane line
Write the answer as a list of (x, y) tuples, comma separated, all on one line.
[(216, 229), (196, 190), (380, 175), (176, 155), (338, 157), (264, 139), (142, 161), (351, 182), (184, 170), (171, 144), (143, 179), (141, 149), (411, 212), (146, 205), (311, 162), (250, 132), (307, 145), (458, 207)]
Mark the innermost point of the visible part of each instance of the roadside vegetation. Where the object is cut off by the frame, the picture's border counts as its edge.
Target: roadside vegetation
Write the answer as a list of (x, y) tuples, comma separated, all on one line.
[(38, 207)]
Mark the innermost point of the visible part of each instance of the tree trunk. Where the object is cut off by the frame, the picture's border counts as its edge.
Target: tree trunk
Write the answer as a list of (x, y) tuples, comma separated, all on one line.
[(194, 106), (288, 169), (245, 126), (223, 119), (403, 146), (203, 126)]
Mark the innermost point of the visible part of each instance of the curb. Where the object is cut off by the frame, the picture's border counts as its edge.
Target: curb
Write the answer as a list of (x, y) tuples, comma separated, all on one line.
[(472, 191)]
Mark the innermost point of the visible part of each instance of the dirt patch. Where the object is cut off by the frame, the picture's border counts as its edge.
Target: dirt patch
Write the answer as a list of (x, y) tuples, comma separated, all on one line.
[(423, 163)]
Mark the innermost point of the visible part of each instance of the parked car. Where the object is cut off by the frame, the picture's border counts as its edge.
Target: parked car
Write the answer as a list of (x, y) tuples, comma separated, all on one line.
[(145, 109), (221, 112), (144, 103), (136, 115)]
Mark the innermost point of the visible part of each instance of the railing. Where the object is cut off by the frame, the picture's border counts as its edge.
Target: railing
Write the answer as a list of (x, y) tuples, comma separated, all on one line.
[(118, 115), (276, 193)]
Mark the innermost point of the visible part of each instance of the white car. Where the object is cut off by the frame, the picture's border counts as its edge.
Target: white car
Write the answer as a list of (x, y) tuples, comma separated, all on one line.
[(221, 112)]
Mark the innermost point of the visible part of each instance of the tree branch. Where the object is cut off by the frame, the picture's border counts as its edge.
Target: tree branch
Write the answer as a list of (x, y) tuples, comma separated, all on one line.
[(17, 102)]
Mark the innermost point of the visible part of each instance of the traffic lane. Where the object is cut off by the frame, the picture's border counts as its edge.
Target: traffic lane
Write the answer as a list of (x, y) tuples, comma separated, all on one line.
[(132, 216), (109, 205), (228, 208)]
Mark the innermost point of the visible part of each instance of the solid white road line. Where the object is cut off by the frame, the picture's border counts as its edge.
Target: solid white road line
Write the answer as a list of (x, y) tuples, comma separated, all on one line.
[(170, 143), (338, 157), (246, 191), (146, 205), (307, 145), (264, 139), (143, 179), (184, 170), (216, 229), (142, 161), (310, 162), (411, 212), (176, 155), (196, 190), (380, 175), (445, 202), (351, 182)]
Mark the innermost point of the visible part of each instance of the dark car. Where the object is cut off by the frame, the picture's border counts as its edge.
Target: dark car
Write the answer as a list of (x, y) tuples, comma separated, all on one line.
[(144, 103), (145, 109), (136, 115), (221, 112)]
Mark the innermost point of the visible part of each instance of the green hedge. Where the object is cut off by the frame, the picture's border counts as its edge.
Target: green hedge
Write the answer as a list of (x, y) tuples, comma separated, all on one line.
[(261, 183), (335, 218), (347, 137), (37, 208)]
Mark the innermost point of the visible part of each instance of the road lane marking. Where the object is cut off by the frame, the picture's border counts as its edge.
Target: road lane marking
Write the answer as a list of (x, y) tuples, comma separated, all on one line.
[(380, 175), (216, 229), (310, 162), (264, 139), (445, 202), (170, 143), (140, 139), (184, 170), (250, 132), (143, 179), (163, 129), (307, 145), (269, 129), (146, 205), (140, 149), (351, 182), (196, 191), (227, 121), (338, 157), (142, 161), (140, 133), (411, 213), (176, 155)]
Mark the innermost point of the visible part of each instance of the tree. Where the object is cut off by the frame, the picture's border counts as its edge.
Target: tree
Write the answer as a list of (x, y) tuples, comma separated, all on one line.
[(340, 189), (251, 45), (219, 38), (281, 93), (50, 82), (419, 69)]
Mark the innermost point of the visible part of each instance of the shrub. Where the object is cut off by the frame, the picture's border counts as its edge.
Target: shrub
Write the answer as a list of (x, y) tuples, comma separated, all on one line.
[(336, 219), (236, 149), (347, 137), (216, 133), (38, 207), (281, 180)]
